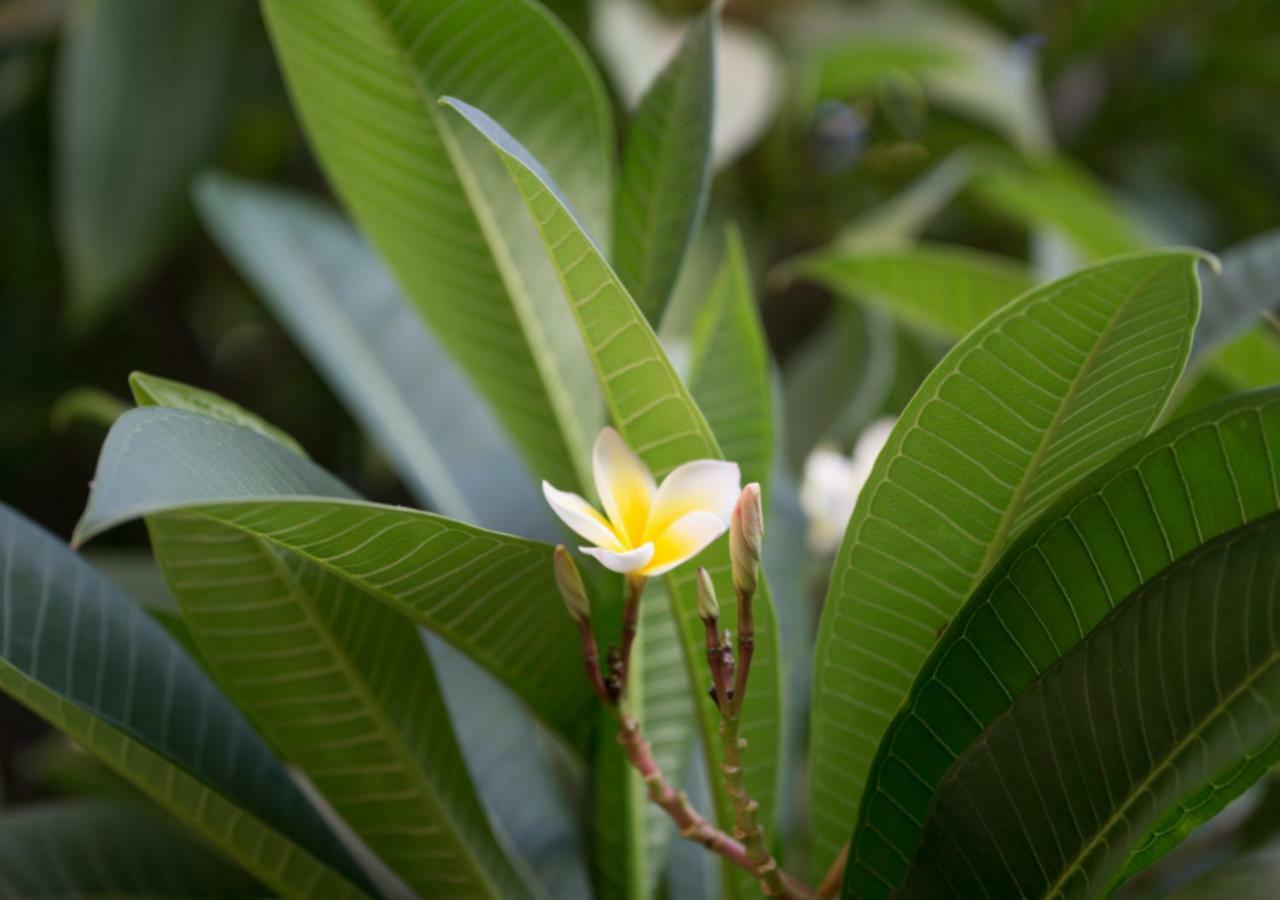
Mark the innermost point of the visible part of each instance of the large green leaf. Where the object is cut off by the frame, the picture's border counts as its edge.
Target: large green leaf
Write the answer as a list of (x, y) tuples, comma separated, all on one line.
[(945, 290), (1158, 501), (1246, 286), (1044, 391), (666, 162), (1179, 682), (365, 75), (84, 657), (142, 104), (338, 301), (92, 849), (729, 374), (491, 595), (658, 417)]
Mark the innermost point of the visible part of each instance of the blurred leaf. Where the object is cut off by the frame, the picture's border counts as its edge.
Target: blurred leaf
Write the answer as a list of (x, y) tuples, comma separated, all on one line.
[(152, 390), (58, 767), (730, 371), (945, 290), (902, 218), (1189, 483), (491, 595), (337, 300), (1179, 636), (86, 405), (660, 420), (1247, 287), (1066, 198), (85, 658), (1253, 876), (666, 164), (142, 104), (94, 849), (365, 77), (962, 63), (1037, 396)]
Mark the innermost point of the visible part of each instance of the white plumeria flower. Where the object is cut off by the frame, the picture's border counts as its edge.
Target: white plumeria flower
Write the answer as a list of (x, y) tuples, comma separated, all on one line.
[(833, 481), (647, 529)]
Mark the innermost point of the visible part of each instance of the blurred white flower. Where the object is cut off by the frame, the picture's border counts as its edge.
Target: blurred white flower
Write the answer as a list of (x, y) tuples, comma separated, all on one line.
[(832, 482)]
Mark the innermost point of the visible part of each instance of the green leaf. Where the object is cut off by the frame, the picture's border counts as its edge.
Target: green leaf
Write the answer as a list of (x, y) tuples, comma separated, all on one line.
[(84, 657), (730, 372), (365, 75), (944, 290), (1244, 289), (666, 164), (92, 849), (1166, 692), (339, 303), (142, 104), (1185, 485), (660, 420), (898, 221), (491, 595), (1040, 394)]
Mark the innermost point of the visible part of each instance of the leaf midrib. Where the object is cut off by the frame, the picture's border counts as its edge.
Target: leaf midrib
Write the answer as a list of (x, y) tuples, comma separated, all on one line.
[(1016, 503), (1166, 762), (373, 709)]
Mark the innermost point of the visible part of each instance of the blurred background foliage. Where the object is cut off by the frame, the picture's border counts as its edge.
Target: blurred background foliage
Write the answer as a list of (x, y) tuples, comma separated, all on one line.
[(1044, 133)]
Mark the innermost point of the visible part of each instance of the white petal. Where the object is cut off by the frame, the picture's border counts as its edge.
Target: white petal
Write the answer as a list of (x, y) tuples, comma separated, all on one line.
[(630, 561), (684, 540), (625, 485), (708, 485), (579, 515)]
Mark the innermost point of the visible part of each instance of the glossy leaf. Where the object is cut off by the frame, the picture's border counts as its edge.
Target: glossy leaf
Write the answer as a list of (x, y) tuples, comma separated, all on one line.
[(92, 849), (1043, 392), (489, 594), (944, 290), (1189, 483), (142, 105), (729, 375), (338, 301), (660, 420), (666, 162), (83, 656), (365, 77)]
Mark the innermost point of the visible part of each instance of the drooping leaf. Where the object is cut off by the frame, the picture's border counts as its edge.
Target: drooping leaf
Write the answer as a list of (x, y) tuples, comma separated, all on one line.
[(666, 162), (1043, 392), (660, 420), (1247, 286), (944, 290), (338, 301), (1185, 485), (84, 657), (142, 105), (729, 375), (89, 849), (489, 594), (898, 221), (366, 76)]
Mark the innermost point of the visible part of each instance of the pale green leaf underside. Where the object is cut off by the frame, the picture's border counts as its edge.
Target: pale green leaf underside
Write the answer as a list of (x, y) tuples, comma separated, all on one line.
[(87, 659), (1181, 681), (90, 849), (1040, 394), (1188, 483), (944, 290), (666, 162), (337, 299), (365, 75), (657, 416), (489, 594), (1247, 286)]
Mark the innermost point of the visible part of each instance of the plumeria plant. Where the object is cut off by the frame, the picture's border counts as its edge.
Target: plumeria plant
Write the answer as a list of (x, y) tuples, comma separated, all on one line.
[(1036, 649)]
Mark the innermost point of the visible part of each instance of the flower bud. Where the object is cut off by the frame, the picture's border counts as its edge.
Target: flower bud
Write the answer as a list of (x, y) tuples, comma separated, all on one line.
[(570, 584), (746, 534), (708, 606)]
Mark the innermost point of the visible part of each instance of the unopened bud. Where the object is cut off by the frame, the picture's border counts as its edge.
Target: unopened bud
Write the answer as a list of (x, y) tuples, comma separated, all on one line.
[(746, 534), (570, 584), (708, 606)]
